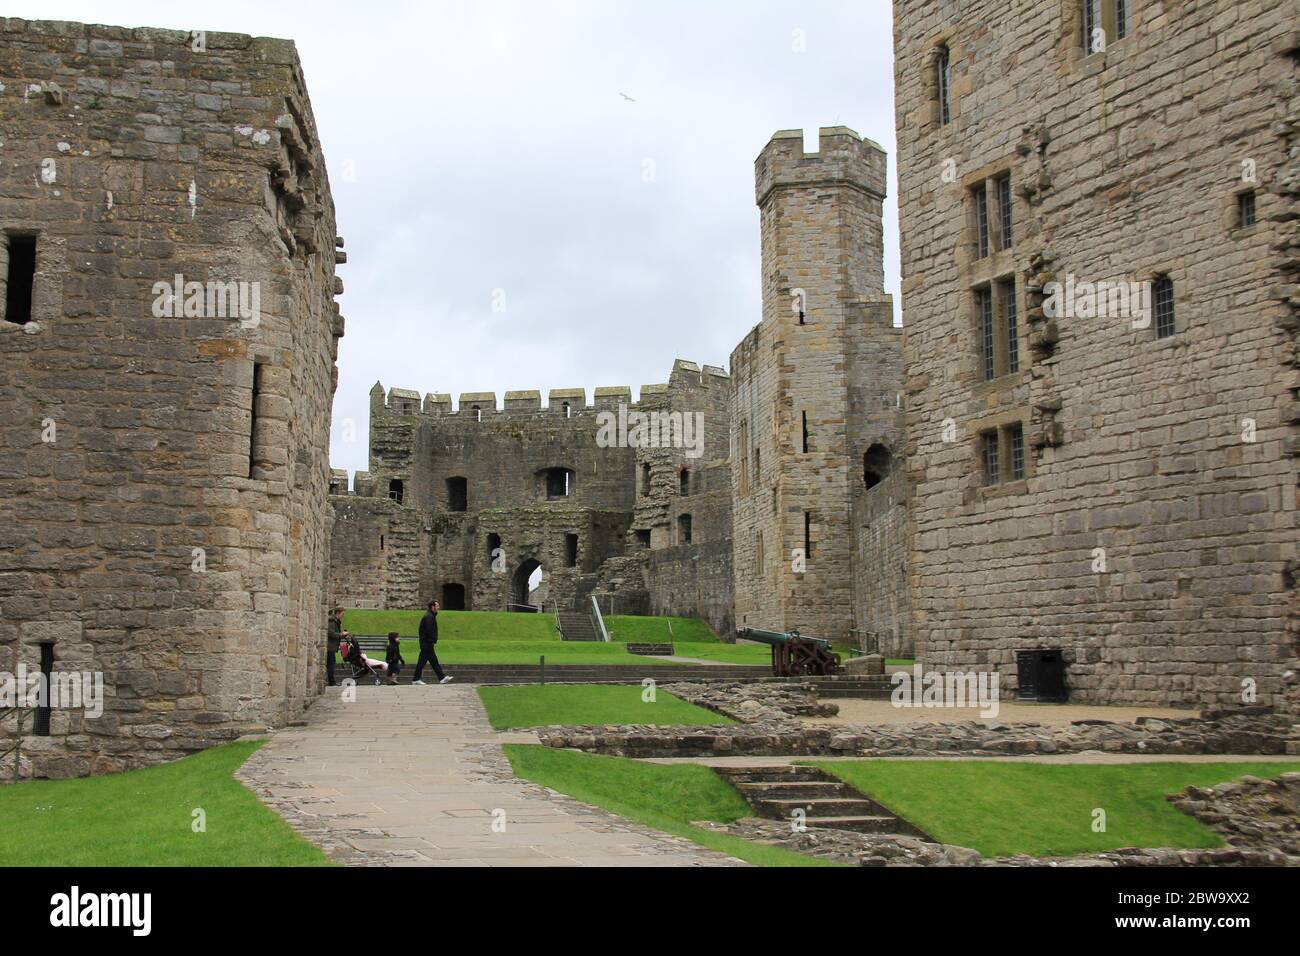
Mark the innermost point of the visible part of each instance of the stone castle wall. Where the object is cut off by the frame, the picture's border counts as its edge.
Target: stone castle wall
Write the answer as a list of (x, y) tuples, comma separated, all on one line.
[(513, 520), (154, 527), (1153, 534), (816, 383)]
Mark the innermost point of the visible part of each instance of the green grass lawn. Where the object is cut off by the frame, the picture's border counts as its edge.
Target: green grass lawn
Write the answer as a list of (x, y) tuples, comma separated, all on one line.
[(1003, 809), (528, 652), (654, 630), (728, 653), (145, 818), (665, 797), (539, 705), (495, 637), (456, 625)]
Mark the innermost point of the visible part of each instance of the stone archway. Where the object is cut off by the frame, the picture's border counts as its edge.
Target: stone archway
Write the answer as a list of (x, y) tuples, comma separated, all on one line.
[(453, 597), (521, 583)]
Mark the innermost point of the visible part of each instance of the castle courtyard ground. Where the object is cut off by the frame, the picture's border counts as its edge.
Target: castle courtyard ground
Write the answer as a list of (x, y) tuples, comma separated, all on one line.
[(415, 776)]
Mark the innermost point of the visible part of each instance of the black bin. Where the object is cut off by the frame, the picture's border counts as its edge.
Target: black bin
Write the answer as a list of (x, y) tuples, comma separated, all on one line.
[(1041, 676)]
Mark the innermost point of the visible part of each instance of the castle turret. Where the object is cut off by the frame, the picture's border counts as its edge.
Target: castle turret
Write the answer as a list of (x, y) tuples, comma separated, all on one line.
[(797, 380)]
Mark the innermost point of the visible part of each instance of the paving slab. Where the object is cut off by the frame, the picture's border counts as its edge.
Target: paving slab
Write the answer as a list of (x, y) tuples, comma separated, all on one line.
[(415, 776)]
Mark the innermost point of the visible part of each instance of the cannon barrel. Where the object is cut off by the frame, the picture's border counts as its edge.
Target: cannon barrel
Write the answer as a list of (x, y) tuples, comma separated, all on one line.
[(778, 637)]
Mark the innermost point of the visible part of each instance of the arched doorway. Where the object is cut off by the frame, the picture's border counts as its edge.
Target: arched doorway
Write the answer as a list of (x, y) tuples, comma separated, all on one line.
[(453, 597), (527, 586)]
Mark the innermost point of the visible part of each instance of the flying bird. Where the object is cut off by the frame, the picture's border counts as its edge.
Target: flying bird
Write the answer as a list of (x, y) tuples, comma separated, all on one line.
[(626, 97)]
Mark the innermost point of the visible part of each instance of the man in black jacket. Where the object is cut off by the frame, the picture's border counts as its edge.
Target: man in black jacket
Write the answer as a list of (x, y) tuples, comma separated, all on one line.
[(428, 640)]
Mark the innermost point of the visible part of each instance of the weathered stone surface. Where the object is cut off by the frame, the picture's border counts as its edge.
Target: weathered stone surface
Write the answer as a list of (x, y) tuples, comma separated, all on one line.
[(391, 554), (150, 531), (815, 389), (1174, 455), (773, 728)]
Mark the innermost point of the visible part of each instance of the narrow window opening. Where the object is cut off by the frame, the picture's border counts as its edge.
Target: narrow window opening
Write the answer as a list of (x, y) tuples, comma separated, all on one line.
[(570, 550), (645, 479), (1094, 36), (684, 529), (760, 556), (493, 550), (1246, 209), (807, 535), (981, 197), (944, 77), (744, 457), (989, 455), (396, 490), (684, 482), (20, 279), (41, 727), (988, 352), (1011, 325), (381, 542), (568, 410), (805, 433), (1016, 439), (1121, 19), (1006, 225), (254, 426), (1162, 295), (478, 413)]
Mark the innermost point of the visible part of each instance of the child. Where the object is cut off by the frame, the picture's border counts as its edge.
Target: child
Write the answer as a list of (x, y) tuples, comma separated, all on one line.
[(394, 658)]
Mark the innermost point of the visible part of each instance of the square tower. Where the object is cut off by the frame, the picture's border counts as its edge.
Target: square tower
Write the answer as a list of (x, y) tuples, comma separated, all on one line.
[(800, 419)]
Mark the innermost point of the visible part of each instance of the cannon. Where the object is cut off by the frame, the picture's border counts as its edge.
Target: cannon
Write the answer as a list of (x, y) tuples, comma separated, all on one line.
[(794, 655)]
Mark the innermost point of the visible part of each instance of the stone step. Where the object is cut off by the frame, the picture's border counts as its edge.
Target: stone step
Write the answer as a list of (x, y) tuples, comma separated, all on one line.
[(782, 773), (862, 824), (791, 789), (842, 806), (775, 792)]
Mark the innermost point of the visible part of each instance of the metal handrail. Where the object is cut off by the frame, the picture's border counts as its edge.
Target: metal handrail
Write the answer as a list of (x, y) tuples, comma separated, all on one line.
[(599, 620)]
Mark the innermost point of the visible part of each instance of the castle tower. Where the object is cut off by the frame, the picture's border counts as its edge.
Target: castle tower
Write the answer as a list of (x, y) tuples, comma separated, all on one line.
[(804, 402)]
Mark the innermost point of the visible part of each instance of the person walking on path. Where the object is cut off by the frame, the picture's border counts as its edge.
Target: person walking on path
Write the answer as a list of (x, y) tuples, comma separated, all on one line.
[(428, 642), (333, 637), (394, 658)]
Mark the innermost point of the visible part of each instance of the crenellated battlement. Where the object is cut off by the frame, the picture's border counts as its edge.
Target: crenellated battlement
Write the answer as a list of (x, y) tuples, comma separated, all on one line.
[(561, 402), (363, 485), (842, 158)]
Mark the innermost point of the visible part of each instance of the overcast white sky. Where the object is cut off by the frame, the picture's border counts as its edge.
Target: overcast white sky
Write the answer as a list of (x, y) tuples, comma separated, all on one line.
[(483, 145)]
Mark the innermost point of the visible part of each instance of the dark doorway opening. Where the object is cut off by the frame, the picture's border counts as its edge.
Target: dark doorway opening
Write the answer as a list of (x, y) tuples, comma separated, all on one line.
[(570, 550), (396, 490), (493, 546), (453, 597), (684, 529), (457, 494), (642, 539)]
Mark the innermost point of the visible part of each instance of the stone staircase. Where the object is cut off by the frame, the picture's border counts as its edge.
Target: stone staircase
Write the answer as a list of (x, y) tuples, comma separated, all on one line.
[(577, 626), (775, 793)]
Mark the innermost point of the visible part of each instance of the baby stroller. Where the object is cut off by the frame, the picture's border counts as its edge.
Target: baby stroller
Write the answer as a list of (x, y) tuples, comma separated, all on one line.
[(361, 665)]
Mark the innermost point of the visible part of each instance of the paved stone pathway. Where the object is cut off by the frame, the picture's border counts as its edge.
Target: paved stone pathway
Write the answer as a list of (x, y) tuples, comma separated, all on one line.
[(412, 776)]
